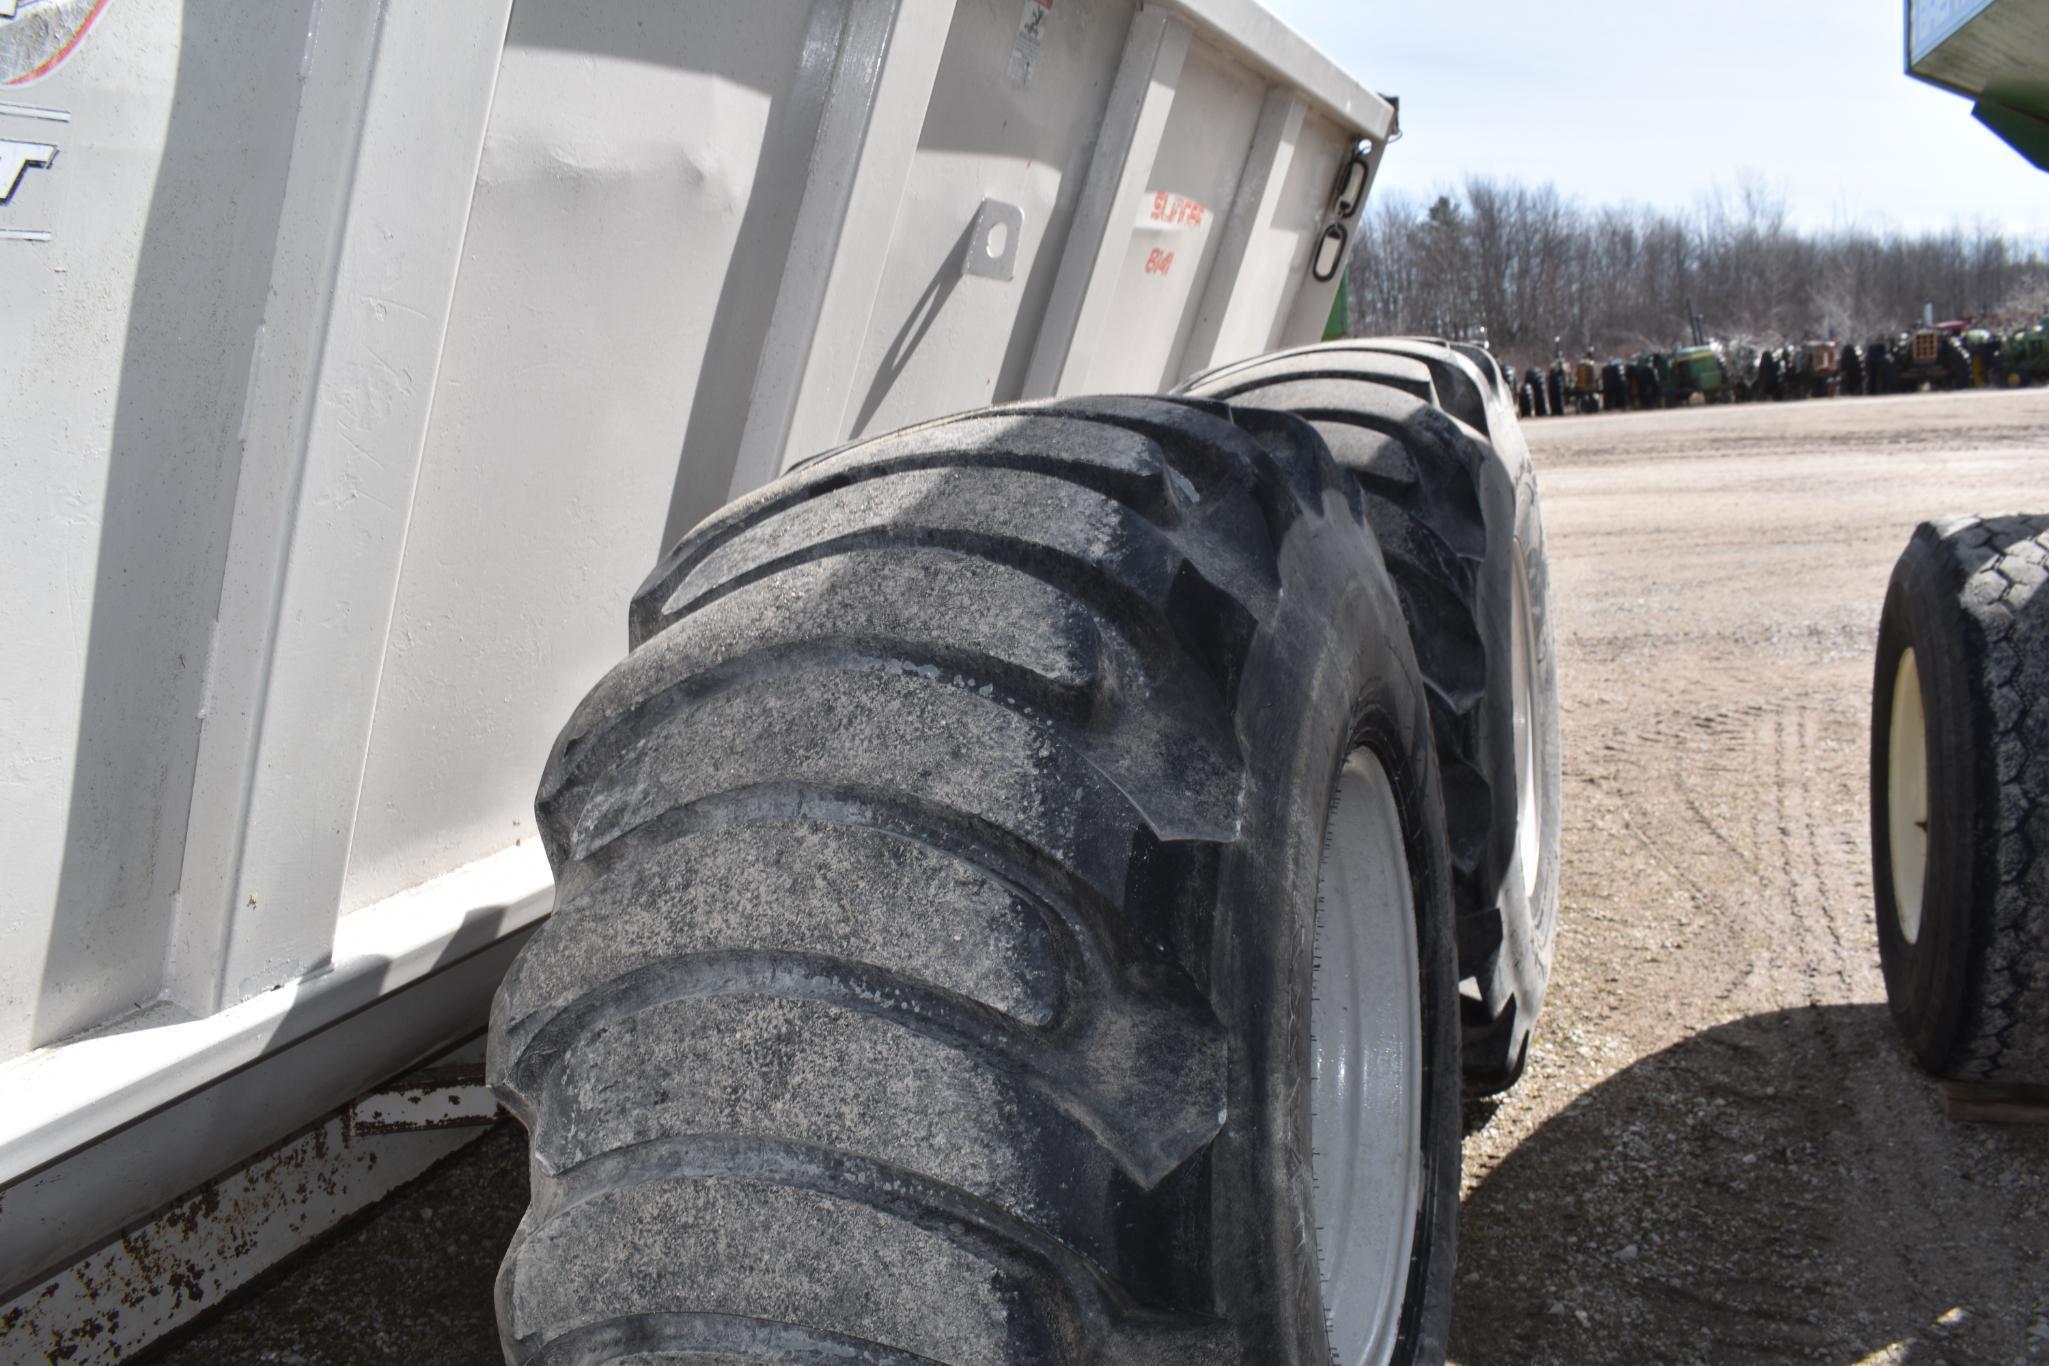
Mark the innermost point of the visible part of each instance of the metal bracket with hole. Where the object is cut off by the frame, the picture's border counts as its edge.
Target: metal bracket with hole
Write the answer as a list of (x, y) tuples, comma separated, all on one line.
[(1330, 252), (992, 240), (1352, 179)]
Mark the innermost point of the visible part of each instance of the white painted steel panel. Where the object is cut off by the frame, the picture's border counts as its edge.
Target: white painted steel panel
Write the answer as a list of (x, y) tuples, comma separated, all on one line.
[(303, 742), (1134, 120), (1014, 119), (125, 341), (887, 60), (1237, 310), (1173, 222), (1291, 236), (634, 201)]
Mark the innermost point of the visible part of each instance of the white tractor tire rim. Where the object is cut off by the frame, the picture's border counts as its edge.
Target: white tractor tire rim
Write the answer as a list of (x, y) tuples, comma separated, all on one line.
[(1523, 685), (1906, 795), (1366, 1084)]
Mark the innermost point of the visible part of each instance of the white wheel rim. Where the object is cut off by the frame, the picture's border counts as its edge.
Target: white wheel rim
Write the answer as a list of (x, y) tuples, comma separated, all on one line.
[(1366, 1084), (1906, 796), (1523, 684)]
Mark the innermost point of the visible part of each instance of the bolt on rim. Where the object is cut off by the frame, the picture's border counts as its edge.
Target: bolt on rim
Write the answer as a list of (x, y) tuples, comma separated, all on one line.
[(1906, 795), (1366, 1045)]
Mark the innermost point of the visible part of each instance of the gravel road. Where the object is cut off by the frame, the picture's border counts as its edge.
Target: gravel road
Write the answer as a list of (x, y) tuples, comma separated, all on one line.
[(1719, 1154)]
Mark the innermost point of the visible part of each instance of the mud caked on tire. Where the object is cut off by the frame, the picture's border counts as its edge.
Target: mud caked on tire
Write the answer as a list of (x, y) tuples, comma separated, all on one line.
[(1432, 443), (937, 970), (1960, 797)]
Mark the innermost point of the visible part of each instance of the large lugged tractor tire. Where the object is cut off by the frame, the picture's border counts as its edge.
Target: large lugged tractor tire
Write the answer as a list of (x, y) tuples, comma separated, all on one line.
[(1429, 436), (1960, 797), (1003, 916)]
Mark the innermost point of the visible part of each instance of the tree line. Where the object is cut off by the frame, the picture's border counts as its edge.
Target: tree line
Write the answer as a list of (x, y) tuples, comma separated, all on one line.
[(1536, 269)]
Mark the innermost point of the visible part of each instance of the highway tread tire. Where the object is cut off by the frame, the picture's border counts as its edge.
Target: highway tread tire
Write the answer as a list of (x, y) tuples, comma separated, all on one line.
[(937, 883), (1971, 992), (1452, 497)]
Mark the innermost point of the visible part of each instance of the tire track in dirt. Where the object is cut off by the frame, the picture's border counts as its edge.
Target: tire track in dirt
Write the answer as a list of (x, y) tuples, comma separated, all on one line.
[(1720, 1153)]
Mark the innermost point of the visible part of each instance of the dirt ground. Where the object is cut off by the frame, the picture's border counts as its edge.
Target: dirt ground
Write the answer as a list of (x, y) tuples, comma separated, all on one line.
[(1719, 1154)]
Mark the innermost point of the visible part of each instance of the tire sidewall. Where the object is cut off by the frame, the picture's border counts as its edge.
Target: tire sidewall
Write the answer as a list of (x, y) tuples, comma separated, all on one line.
[(1531, 916), (1335, 671), (1926, 981)]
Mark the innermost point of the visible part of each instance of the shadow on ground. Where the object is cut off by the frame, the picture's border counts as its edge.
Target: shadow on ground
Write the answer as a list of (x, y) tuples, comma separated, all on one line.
[(1780, 1188), (407, 1281)]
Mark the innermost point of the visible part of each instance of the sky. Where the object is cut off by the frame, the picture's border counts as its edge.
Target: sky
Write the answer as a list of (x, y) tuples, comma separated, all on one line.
[(1656, 101)]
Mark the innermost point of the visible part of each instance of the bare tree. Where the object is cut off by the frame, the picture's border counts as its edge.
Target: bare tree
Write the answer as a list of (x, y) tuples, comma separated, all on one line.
[(1533, 271)]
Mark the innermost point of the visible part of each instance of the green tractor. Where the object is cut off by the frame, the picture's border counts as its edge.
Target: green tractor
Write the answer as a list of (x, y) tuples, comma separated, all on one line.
[(1985, 347), (1702, 370), (2023, 357)]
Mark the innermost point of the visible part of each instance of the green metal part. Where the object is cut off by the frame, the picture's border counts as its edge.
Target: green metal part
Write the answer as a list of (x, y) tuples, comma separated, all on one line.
[(1996, 53), (2024, 131)]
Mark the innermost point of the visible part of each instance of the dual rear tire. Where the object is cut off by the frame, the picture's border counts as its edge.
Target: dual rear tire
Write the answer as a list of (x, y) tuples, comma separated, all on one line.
[(1005, 912), (1427, 436)]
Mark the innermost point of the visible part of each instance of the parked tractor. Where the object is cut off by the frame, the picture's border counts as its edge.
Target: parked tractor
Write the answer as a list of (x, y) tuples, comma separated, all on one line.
[(1649, 376), (1614, 386), (2023, 357), (1933, 357), (1814, 369), (1853, 374), (1583, 385), (1769, 385), (1986, 348), (1882, 365), (1702, 370)]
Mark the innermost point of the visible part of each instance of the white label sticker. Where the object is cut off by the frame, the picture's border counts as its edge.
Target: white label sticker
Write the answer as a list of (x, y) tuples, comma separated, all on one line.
[(1031, 35)]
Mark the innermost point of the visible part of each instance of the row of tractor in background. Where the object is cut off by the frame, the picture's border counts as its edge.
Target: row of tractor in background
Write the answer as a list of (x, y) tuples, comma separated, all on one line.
[(1951, 355)]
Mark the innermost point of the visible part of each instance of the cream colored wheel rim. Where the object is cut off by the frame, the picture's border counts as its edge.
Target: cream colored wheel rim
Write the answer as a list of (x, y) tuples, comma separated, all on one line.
[(1906, 796)]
